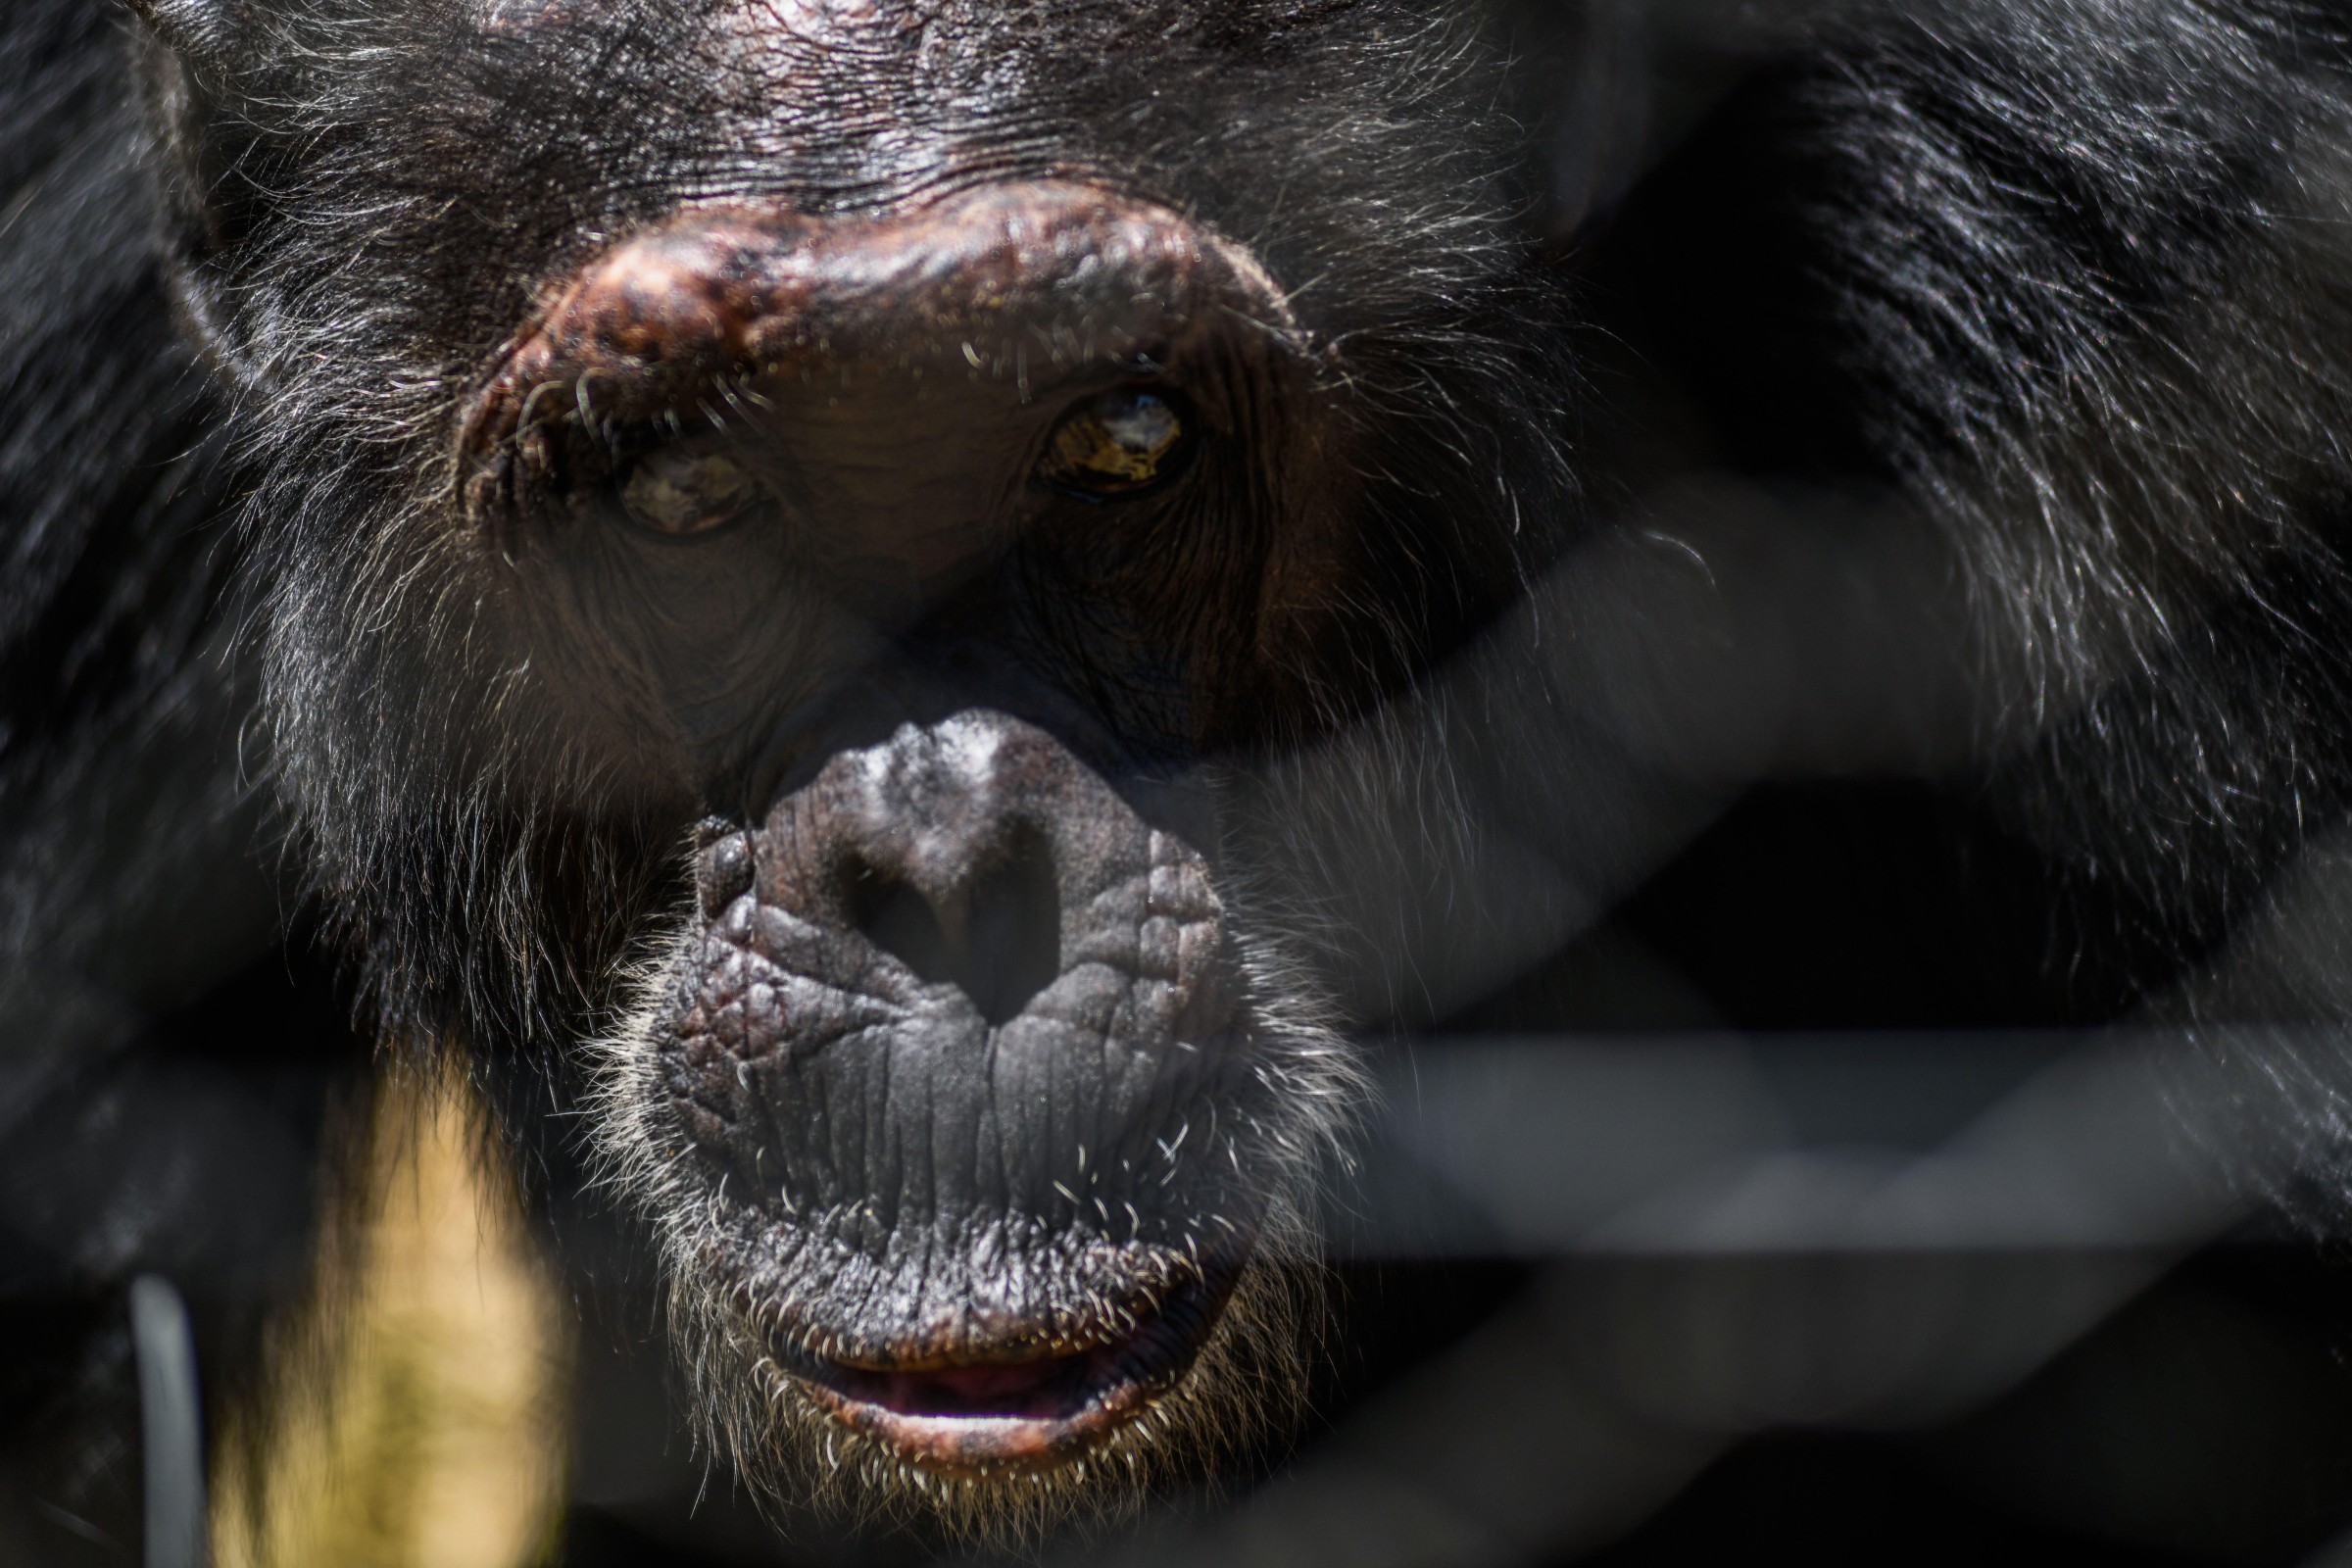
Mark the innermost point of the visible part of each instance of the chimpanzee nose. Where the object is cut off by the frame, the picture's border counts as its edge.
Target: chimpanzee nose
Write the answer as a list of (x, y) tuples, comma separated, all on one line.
[(976, 906), (993, 932), (958, 1011), (821, 335), (977, 859)]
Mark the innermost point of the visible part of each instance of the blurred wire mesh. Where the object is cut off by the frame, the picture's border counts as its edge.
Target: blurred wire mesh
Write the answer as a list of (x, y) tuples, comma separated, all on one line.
[(1654, 1294)]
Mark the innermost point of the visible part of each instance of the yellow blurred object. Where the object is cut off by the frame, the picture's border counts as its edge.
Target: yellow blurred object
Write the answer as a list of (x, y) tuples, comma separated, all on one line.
[(417, 1416)]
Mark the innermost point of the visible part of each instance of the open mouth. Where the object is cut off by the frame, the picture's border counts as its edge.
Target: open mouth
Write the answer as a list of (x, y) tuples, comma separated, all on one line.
[(976, 1412)]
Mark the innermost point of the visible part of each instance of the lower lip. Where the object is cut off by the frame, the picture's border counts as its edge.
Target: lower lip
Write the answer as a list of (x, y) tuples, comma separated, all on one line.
[(982, 1419), (1021, 1430)]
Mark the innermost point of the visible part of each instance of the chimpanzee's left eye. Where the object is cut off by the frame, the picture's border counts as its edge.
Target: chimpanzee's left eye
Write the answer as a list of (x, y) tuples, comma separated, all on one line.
[(1117, 444), (679, 491)]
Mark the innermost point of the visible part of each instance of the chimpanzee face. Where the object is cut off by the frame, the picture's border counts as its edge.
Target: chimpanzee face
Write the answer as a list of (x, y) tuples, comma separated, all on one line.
[(917, 441)]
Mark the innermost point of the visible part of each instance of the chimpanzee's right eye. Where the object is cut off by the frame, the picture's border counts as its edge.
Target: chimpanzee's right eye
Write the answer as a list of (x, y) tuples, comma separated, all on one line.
[(1119, 444), (681, 491)]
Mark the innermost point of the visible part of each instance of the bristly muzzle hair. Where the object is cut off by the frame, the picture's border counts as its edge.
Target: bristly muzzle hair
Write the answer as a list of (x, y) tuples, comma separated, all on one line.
[(1248, 1382)]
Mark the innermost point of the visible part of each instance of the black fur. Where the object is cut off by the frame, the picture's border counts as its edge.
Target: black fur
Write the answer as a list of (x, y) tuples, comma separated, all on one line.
[(2056, 295)]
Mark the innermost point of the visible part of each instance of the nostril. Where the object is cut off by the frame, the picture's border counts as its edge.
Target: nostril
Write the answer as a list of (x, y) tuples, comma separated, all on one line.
[(997, 938), (1015, 926), (900, 921)]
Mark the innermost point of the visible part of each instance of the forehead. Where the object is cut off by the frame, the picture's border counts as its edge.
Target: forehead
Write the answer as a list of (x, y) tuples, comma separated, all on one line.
[(480, 150), (828, 101)]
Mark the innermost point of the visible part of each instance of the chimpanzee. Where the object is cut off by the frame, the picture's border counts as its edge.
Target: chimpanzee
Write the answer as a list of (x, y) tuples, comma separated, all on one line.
[(899, 619)]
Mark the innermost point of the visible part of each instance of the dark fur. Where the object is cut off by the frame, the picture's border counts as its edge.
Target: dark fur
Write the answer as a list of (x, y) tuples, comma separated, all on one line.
[(2060, 285)]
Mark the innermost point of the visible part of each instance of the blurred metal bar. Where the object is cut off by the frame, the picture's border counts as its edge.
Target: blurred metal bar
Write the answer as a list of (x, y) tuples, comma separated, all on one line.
[(172, 1430), (1728, 1146)]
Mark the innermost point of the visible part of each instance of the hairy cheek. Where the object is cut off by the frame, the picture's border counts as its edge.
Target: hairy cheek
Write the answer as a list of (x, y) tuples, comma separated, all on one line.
[(1278, 681), (507, 18)]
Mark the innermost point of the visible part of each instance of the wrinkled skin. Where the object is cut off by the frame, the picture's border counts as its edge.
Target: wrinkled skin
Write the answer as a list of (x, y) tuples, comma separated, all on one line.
[(857, 600), (897, 443)]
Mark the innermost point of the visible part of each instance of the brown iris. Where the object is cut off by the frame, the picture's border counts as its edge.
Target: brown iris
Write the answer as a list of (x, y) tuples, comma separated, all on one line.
[(680, 490), (1117, 444)]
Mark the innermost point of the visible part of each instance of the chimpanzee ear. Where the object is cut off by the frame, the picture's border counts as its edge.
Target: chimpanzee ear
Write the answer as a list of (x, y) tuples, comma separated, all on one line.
[(200, 54)]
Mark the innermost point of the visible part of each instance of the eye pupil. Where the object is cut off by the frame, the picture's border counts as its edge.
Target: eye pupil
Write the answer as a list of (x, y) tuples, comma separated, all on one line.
[(1116, 443), (685, 492)]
